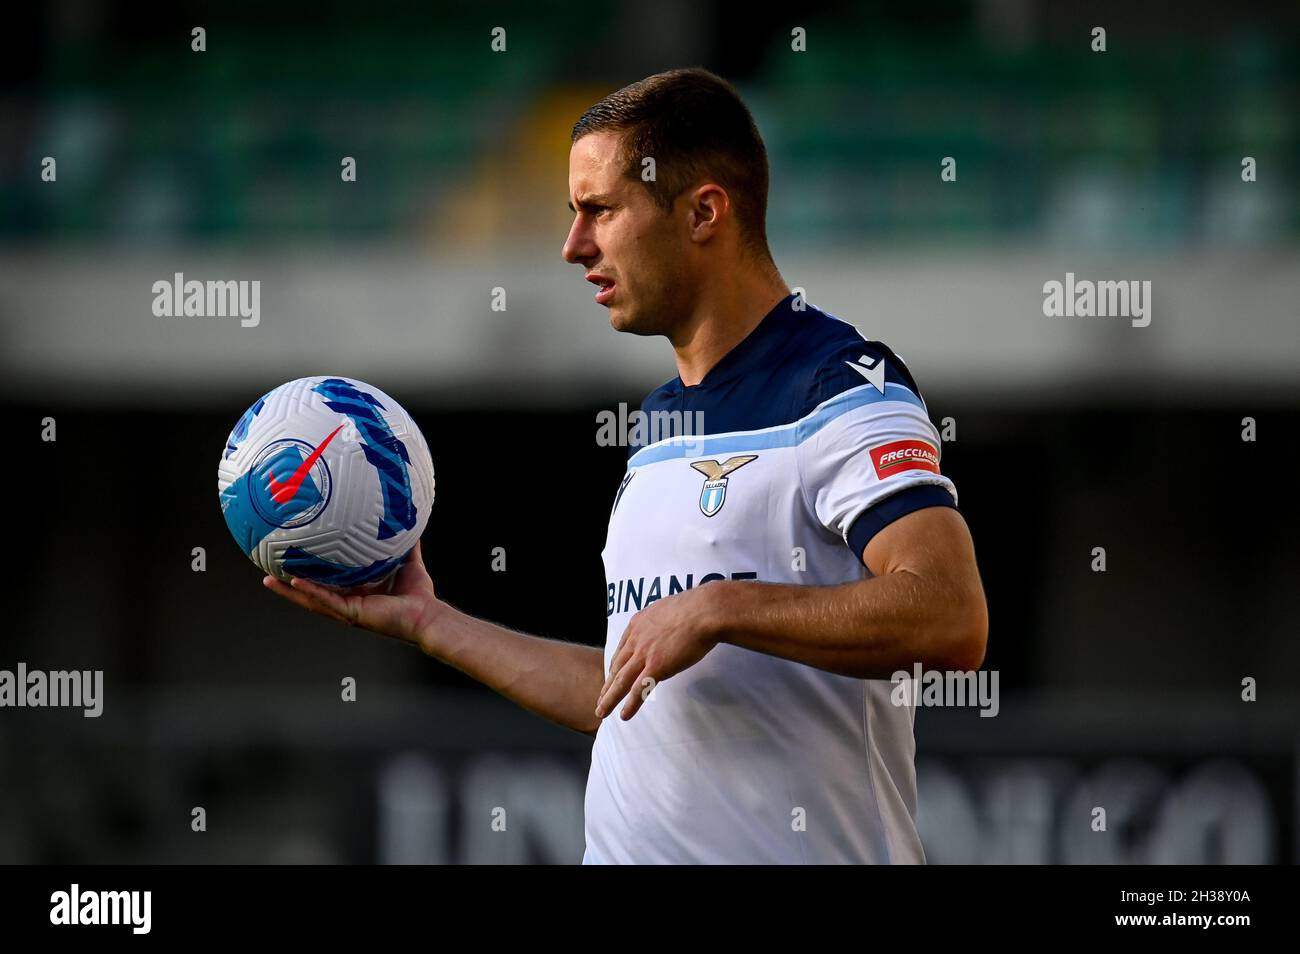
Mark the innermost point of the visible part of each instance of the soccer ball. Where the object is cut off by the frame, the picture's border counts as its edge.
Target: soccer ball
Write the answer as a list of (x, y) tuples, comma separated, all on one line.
[(326, 478)]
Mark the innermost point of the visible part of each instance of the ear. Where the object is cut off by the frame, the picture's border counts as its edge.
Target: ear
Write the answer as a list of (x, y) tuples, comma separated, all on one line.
[(709, 210)]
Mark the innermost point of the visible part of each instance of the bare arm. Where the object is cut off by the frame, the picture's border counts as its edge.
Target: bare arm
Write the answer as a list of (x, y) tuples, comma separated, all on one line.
[(559, 681), (924, 604)]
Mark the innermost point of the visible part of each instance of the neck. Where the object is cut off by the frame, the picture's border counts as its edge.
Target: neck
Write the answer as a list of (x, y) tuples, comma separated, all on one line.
[(724, 314)]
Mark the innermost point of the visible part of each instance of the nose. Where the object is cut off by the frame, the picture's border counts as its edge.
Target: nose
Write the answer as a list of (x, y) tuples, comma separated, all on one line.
[(580, 247)]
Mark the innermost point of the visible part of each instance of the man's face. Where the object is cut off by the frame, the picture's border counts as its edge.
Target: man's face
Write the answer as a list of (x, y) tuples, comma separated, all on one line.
[(636, 253)]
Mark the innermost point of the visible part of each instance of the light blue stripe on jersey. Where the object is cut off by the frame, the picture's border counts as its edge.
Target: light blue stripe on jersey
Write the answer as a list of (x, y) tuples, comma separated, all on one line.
[(784, 435)]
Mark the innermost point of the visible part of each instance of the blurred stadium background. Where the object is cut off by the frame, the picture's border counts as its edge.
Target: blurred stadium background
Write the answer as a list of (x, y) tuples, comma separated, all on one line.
[(1119, 689)]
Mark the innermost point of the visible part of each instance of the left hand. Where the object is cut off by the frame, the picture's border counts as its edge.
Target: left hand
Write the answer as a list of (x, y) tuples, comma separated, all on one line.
[(668, 636)]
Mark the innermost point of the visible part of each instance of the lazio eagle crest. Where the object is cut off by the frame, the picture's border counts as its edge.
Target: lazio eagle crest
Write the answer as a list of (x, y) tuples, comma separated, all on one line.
[(714, 492)]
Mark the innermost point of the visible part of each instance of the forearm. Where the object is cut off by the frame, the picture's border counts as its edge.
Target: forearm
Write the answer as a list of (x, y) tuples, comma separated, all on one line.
[(868, 629), (559, 681)]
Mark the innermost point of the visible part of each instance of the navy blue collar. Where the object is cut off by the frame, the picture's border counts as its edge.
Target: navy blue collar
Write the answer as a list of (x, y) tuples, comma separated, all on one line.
[(754, 349)]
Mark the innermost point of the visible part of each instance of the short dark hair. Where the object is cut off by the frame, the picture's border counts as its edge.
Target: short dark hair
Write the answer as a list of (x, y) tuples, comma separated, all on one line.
[(695, 125)]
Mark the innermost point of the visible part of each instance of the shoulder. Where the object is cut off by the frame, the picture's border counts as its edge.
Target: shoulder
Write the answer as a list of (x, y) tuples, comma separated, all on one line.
[(801, 358), (843, 359)]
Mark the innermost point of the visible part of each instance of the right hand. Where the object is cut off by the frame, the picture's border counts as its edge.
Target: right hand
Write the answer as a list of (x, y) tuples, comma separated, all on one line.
[(402, 610)]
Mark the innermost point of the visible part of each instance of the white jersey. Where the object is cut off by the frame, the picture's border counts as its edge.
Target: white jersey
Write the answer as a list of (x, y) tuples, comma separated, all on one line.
[(814, 440)]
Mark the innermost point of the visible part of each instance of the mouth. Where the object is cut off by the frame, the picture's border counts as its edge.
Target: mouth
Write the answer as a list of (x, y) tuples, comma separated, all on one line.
[(607, 286)]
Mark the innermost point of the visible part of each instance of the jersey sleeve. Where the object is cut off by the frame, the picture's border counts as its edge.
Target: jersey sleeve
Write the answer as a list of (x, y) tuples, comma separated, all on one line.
[(867, 453)]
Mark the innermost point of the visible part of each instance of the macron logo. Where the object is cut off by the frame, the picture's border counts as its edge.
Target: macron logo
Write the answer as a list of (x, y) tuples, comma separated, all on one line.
[(102, 907), (874, 373)]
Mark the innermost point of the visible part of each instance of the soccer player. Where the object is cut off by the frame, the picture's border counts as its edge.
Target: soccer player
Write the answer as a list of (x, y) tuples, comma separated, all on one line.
[(765, 580)]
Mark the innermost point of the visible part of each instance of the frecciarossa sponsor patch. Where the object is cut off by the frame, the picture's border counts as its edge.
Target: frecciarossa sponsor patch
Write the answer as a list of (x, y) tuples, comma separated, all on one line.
[(898, 456)]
